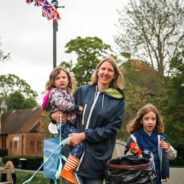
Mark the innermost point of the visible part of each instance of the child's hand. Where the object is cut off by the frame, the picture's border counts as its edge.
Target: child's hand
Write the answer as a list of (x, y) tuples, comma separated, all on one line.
[(80, 110), (164, 145), (133, 147), (56, 116)]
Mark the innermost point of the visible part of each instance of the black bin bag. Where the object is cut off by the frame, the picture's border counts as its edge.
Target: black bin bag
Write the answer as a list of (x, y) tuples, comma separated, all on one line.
[(129, 170)]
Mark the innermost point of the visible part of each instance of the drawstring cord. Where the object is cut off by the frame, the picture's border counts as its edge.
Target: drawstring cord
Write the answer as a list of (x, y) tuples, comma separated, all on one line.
[(96, 93), (103, 101)]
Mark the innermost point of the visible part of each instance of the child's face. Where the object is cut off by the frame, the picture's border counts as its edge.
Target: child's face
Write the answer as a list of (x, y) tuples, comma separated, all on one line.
[(149, 122), (61, 80)]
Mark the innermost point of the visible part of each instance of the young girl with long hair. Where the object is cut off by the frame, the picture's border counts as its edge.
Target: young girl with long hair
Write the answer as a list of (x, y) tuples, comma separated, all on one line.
[(147, 133), (60, 86)]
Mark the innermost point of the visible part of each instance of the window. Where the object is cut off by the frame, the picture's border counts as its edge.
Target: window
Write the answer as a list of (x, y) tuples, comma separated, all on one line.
[(15, 145), (10, 145), (32, 146), (39, 146)]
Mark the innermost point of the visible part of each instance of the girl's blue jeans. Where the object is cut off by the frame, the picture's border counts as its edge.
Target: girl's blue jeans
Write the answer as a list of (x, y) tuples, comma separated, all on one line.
[(67, 129)]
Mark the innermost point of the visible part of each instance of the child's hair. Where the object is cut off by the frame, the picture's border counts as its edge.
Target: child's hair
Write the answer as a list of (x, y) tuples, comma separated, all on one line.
[(136, 124), (117, 82), (51, 83)]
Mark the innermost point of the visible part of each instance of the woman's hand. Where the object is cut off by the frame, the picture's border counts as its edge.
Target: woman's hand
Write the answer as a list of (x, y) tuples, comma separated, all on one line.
[(76, 138), (56, 116)]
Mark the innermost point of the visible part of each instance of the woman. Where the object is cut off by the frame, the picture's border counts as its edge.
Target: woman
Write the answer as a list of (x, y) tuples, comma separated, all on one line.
[(103, 103)]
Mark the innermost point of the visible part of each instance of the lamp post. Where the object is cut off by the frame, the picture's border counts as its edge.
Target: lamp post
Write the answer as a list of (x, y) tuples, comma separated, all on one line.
[(55, 29)]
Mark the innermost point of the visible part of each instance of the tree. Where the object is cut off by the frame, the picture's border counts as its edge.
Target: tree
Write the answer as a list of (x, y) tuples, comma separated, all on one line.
[(134, 96), (17, 101), (11, 83), (152, 30), (141, 74), (88, 50), (3, 56), (141, 87), (17, 93), (173, 103)]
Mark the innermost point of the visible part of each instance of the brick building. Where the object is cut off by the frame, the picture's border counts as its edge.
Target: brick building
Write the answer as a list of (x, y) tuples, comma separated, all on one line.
[(21, 131)]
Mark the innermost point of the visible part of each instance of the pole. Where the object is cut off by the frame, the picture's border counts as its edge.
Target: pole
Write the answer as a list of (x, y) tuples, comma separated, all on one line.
[(55, 29)]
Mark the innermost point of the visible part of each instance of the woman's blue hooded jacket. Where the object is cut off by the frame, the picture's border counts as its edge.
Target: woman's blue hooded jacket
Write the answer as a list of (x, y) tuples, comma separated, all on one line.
[(101, 119)]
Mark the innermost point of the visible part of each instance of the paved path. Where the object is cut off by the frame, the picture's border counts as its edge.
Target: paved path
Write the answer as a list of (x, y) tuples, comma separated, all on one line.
[(176, 176)]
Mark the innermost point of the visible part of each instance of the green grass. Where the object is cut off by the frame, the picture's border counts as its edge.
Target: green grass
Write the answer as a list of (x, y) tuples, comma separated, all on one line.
[(38, 178), (22, 176)]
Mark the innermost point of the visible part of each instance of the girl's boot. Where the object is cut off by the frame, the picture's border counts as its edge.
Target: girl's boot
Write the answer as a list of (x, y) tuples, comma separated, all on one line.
[(67, 172)]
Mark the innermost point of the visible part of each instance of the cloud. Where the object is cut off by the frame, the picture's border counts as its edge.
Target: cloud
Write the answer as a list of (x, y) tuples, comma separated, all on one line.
[(29, 36)]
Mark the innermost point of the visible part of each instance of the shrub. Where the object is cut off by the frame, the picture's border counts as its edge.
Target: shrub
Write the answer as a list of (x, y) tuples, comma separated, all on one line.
[(29, 162), (3, 152), (179, 161)]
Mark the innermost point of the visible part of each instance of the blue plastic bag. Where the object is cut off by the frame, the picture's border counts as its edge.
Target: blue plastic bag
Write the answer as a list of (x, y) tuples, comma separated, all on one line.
[(52, 158), (52, 164)]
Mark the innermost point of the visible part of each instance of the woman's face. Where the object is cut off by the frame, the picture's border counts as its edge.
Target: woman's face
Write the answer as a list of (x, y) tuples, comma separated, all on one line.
[(105, 73)]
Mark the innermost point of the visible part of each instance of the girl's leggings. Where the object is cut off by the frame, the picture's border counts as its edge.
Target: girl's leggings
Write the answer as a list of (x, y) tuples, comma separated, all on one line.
[(67, 129)]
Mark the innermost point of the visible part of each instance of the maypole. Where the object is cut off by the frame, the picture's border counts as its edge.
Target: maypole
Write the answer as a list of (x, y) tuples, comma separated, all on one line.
[(55, 29), (50, 12)]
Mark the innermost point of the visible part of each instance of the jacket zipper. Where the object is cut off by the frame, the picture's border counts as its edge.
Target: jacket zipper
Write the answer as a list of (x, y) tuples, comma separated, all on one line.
[(87, 124)]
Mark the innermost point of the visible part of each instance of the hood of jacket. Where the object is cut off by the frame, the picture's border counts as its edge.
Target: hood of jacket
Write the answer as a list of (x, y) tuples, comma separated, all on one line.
[(116, 93)]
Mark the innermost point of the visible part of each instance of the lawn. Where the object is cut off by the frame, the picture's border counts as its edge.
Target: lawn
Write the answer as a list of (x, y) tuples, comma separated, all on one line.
[(38, 179), (23, 176)]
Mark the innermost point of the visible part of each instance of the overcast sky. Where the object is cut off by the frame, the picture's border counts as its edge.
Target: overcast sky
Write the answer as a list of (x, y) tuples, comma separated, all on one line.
[(29, 37)]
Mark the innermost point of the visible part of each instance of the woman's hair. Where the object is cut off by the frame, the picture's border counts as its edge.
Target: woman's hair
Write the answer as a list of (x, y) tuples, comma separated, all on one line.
[(9, 165), (117, 82), (136, 124), (51, 83)]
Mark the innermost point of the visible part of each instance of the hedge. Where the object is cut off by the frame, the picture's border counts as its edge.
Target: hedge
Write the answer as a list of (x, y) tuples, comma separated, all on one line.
[(179, 161), (29, 162), (3, 152)]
